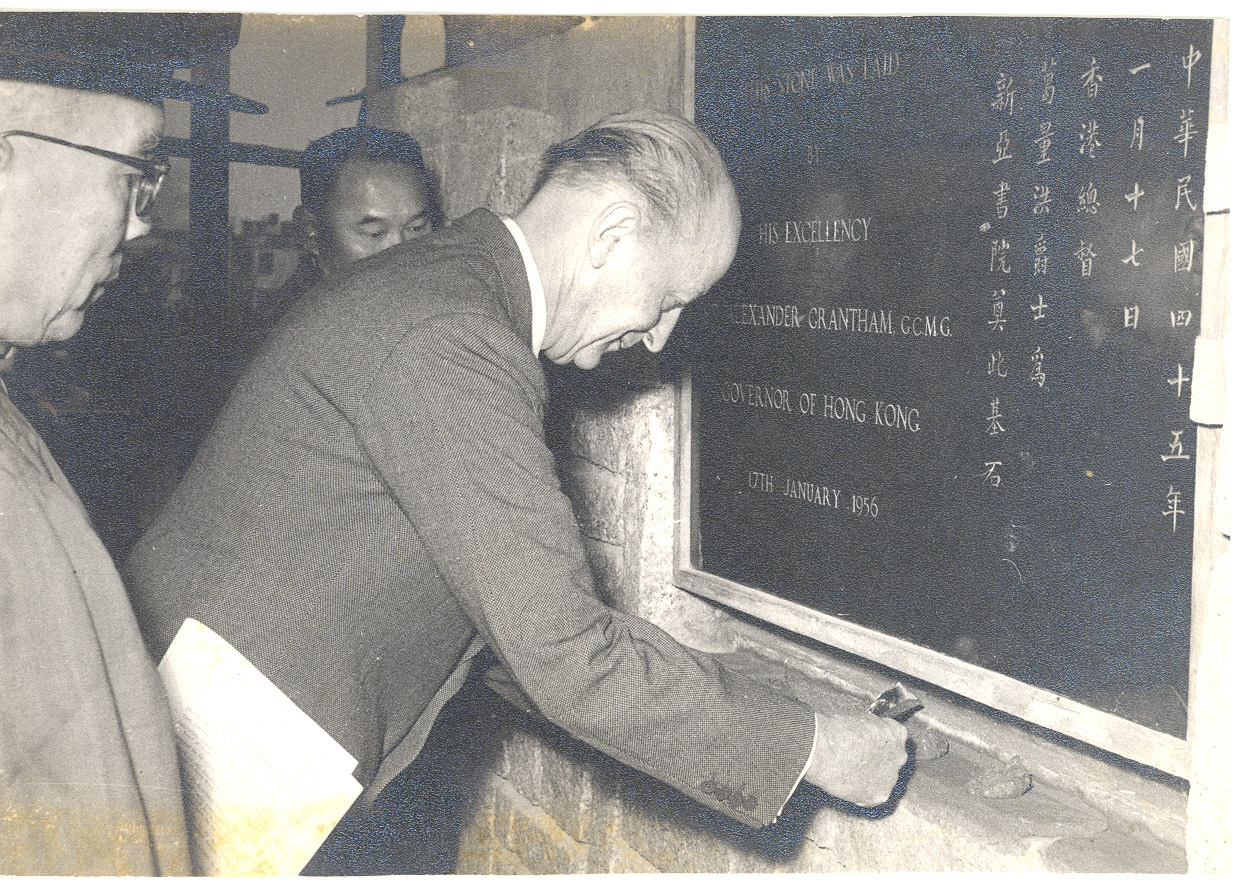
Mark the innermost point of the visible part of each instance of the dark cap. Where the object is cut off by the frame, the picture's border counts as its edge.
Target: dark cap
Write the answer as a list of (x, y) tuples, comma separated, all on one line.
[(125, 53)]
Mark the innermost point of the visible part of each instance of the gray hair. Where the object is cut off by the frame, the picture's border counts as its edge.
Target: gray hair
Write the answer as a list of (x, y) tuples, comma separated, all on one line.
[(667, 162)]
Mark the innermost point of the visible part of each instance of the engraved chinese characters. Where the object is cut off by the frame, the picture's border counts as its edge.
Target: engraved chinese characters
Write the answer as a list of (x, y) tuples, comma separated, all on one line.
[(944, 390), (1126, 240)]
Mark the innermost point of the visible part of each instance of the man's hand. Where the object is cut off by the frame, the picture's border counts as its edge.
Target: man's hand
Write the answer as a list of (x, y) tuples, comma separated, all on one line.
[(858, 756)]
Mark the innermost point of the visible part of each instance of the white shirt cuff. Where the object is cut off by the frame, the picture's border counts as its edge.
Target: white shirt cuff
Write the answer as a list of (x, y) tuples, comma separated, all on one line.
[(808, 761)]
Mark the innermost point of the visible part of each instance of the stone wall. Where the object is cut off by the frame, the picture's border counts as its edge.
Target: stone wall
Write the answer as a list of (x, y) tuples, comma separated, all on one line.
[(988, 793)]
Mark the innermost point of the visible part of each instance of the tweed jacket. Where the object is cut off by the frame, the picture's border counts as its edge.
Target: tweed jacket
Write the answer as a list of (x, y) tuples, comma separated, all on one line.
[(376, 500), (88, 767)]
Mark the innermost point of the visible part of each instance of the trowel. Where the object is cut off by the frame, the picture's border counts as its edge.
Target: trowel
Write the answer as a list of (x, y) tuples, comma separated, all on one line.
[(895, 702)]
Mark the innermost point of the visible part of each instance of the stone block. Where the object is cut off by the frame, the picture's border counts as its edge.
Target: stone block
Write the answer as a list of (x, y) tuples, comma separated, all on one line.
[(582, 795), (857, 844), (545, 848), (503, 760), (666, 840), (567, 796), (426, 113), (481, 825), (619, 858), (484, 156), (523, 761), (605, 803), (505, 862), (533, 836), (598, 497), (604, 437), (607, 561), (523, 135), (504, 813), (475, 856)]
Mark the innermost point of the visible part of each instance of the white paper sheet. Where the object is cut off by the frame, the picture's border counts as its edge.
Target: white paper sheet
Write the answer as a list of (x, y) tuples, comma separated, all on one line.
[(265, 783)]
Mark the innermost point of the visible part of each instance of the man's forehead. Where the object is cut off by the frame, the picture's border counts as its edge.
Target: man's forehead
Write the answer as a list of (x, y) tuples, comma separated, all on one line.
[(363, 172), (364, 183), (104, 116)]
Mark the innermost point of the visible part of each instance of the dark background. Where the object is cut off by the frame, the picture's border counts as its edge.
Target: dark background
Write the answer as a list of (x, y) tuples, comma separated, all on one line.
[(1066, 575)]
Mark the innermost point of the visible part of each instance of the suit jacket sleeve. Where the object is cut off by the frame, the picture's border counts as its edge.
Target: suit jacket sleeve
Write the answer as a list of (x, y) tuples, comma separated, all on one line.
[(452, 422)]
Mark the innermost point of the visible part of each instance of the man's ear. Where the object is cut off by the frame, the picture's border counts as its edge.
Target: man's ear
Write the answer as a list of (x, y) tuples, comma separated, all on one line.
[(6, 152), (615, 225), (308, 227)]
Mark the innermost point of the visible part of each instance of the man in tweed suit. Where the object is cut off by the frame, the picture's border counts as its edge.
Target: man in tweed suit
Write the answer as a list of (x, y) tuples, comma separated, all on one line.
[(376, 502)]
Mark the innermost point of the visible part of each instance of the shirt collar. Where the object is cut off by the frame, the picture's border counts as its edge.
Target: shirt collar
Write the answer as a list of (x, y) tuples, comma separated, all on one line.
[(538, 300)]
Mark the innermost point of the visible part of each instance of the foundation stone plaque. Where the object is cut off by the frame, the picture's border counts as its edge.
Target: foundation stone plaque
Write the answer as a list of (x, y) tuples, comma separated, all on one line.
[(943, 392)]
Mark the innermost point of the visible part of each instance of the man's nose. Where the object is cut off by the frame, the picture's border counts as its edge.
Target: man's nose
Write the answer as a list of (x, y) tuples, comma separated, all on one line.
[(136, 226), (657, 336)]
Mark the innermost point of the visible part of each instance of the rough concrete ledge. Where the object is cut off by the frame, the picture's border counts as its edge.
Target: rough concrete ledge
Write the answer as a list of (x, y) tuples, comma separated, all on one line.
[(1129, 796)]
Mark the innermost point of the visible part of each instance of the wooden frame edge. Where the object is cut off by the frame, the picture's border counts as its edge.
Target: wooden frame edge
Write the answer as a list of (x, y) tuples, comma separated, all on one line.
[(995, 690)]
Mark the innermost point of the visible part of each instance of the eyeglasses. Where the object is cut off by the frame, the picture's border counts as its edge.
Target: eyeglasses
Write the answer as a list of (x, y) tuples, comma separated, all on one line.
[(143, 189)]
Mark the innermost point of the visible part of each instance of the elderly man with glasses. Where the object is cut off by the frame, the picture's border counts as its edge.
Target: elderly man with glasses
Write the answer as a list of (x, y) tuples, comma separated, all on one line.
[(90, 200), (88, 768)]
